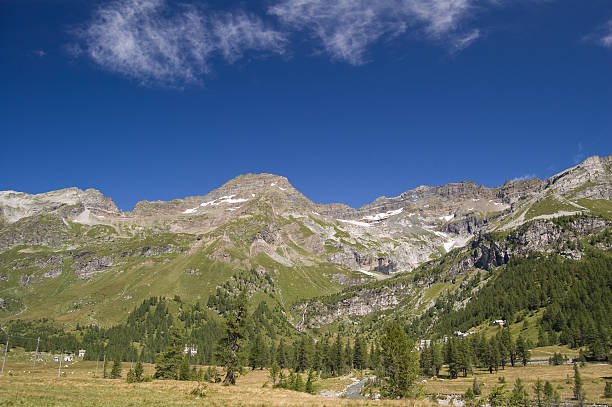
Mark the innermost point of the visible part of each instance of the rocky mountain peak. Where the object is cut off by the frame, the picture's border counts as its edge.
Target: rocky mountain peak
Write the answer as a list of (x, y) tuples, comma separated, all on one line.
[(16, 205), (255, 183), (589, 179)]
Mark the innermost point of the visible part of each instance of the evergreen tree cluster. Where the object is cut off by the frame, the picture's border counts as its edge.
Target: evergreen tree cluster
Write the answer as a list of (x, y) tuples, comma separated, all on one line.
[(576, 297), (462, 355)]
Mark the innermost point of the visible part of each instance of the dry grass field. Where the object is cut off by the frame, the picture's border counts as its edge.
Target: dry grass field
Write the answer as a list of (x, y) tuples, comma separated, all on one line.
[(78, 386)]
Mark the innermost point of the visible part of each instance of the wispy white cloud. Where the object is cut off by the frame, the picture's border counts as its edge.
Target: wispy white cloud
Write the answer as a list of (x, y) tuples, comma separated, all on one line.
[(580, 155), (160, 41), (347, 27), (152, 41), (606, 35), (523, 177)]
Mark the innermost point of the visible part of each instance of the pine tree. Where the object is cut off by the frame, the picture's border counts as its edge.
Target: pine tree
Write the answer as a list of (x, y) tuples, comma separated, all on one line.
[(400, 366), (518, 396), (438, 359), (299, 383), (359, 354), (542, 337), (310, 382), (453, 358), (374, 357), (291, 380), (538, 389), (522, 351), (497, 397), (230, 347), (184, 373), (476, 387), (258, 354), (465, 357), (608, 390), (274, 370), (138, 372), (424, 362), (130, 376), (579, 393), (348, 356), (167, 363), (281, 356), (116, 370), (303, 355), (551, 397), (337, 356), (509, 344), (469, 397)]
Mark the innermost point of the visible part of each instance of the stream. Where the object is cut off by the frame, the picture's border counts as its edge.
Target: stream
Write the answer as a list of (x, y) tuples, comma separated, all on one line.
[(353, 391)]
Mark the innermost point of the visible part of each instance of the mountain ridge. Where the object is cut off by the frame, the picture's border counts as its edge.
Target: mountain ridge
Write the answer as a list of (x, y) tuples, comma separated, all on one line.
[(263, 177)]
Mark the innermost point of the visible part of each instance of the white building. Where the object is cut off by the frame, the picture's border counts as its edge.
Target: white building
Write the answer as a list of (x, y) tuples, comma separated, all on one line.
[(423, 344), (192, 350), (81, 353), (499, 322), (68, 358)]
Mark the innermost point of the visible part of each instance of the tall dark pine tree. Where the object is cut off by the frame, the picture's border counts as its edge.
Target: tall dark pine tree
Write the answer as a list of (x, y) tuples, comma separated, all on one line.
[(579, 393), (168, 362), (522, 351), (303, 355), (400, 366), (258, 354), (230, 347), (337, 356)]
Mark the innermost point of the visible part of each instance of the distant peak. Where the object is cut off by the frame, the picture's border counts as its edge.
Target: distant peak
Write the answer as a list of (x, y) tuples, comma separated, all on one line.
[(251, 182)]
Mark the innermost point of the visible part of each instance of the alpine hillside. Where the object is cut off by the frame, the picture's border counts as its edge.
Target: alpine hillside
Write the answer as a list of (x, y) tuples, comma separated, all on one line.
[(71, 256)]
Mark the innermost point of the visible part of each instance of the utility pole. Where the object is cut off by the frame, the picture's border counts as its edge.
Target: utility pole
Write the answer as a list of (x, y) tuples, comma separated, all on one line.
[(59, 370), (36, 353), (5, 351), (97, 361)]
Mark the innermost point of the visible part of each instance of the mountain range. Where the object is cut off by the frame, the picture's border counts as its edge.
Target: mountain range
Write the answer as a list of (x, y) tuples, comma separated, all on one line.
[(74, 257)]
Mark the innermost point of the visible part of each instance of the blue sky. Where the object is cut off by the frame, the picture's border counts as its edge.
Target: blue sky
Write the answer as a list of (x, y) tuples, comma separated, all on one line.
[(350, 100)]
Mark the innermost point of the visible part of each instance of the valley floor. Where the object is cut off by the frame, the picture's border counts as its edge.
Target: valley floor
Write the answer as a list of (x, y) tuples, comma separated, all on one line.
[(78, 386), (42, 387)]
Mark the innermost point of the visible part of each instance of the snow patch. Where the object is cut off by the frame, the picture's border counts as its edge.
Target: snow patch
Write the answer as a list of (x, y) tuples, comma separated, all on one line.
[(384, 215), (354, 222), (282, 189), (449, 245), (192, 210), (447, 217), (228, 199), (369, 273), (233, 209)]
